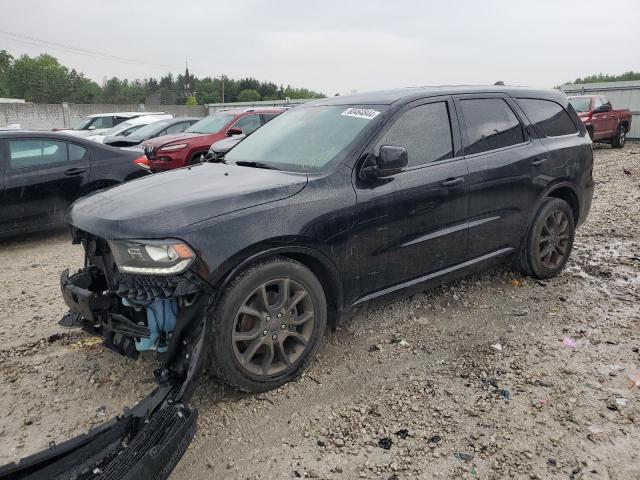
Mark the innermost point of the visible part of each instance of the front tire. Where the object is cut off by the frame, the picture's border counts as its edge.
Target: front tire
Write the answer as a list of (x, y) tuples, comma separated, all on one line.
[(621, 137), (546, 249), (268, 325)]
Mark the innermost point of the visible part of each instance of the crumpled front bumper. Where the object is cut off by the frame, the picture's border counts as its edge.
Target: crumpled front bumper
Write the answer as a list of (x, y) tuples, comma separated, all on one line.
[(147, 441)]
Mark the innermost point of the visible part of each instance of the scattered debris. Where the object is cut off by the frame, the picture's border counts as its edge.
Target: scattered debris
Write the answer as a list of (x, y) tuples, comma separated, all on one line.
[(435, 439), (497, 347), (385, 443), (375, 347), (467, 457), (569, 342), (403, 433), (621, 402)]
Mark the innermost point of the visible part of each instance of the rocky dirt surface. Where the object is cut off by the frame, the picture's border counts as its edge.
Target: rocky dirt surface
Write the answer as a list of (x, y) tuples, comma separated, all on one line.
[(495, 376)]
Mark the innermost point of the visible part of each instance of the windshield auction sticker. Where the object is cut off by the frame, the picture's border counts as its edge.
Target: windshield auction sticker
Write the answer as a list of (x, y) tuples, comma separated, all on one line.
[(365, 113)]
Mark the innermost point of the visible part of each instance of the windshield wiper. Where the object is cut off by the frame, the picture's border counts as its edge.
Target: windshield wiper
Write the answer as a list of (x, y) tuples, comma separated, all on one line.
[(245, 163)]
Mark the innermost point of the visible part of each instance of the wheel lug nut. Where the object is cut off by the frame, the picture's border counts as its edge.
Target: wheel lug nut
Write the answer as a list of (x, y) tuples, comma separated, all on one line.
[(283, 326), (279, 315), (265, 332), (274, 336), (268, 319)]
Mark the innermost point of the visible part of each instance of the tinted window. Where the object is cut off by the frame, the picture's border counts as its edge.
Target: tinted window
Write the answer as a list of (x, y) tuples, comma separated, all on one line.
[(33, 153), (248, 124), (551, 119), (268, 116), (76, 152), (491, 124), (425, 132)]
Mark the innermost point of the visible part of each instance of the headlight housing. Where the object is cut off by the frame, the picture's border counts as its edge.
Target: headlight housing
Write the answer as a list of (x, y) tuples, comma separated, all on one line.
[(152, 257), (171, 148)]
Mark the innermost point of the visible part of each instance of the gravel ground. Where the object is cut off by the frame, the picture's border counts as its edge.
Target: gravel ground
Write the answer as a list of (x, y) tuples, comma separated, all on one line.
[(495, 376)]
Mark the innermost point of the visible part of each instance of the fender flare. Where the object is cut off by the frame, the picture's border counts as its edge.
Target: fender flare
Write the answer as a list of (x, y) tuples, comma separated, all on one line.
[(546, 193), (290, 251)]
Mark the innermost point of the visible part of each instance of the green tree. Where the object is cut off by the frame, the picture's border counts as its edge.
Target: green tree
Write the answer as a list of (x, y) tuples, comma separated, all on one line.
[(191, 101), (249, 95), (601, 77), (6, 62)]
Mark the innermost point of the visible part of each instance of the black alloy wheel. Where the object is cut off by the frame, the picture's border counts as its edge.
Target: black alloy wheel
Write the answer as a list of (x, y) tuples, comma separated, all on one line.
[(547, 246), (273, 326), (267, 325)]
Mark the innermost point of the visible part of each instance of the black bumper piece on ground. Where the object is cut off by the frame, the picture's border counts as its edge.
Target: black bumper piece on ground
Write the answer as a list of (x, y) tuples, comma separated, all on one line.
[(145, 443)]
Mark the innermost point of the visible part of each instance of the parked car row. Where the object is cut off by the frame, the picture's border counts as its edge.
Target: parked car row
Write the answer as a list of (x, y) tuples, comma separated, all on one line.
[(101, 122), (188, 148)]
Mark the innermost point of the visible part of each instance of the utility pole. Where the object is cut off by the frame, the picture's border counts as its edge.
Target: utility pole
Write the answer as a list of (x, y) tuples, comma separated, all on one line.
[(222, 79)]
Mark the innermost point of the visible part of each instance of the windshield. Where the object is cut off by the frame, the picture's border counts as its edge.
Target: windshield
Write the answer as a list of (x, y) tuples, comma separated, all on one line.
[(146, 131), (211, 124), (580, 104), (305, 138), (84, 124)]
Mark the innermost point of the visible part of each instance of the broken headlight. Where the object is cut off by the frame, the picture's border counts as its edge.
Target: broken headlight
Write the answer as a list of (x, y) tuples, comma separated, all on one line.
[(152, 257)]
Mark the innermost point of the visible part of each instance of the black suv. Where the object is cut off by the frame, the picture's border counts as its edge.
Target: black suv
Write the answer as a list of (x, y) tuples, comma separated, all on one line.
[(329, 205)]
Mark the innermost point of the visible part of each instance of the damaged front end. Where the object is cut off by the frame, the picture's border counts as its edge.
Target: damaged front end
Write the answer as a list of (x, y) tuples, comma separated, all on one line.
[(119, 296)]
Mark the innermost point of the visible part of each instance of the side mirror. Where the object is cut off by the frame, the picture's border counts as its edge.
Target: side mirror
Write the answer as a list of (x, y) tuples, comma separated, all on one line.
[(605, 108), (391, 160), (92, 127), (234, 131)]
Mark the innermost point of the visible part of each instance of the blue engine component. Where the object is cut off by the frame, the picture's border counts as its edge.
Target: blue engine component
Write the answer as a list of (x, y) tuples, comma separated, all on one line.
[(161, 321)]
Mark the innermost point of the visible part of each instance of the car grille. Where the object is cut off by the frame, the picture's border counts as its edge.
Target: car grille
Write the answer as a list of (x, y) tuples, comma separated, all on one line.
[(150, 152)]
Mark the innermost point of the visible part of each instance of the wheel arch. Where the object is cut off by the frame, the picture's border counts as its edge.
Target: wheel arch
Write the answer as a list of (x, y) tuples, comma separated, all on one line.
[(321, 266), (564, 190)]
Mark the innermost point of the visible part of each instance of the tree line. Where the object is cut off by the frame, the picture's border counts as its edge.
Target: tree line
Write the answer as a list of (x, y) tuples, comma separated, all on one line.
[(603, 77), (43, 79)]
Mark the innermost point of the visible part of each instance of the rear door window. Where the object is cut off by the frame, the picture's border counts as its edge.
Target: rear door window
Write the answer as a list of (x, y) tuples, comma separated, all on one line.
[(425, 131), (491, 124), (36, 153), (550, 119)]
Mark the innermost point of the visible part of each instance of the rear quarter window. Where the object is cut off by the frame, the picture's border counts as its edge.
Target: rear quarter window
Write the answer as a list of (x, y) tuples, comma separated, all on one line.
[(548, 117)]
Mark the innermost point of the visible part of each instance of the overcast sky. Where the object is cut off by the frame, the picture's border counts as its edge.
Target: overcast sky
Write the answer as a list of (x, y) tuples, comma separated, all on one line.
[(336, 46)]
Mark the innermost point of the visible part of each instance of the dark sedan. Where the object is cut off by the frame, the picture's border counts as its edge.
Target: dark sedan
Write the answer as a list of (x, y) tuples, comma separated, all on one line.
[(42, 173), (153, 130)]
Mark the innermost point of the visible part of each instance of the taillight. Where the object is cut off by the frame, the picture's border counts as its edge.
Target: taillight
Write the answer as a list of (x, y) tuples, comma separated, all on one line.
[(143, 162)]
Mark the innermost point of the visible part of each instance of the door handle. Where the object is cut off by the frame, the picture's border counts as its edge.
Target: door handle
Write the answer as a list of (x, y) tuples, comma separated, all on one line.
[(539, 162), (450, 182), (74, 171)]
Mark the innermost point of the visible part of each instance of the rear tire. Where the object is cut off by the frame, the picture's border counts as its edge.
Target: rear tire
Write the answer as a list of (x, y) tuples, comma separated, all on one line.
[(267, 325), (547, 246), (620, 138)]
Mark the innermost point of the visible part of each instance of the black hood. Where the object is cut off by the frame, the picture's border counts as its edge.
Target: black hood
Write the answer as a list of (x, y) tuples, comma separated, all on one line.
[(161, 205)]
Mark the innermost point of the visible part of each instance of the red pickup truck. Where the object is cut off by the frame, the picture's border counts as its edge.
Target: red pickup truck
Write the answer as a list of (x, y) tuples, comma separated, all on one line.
[(603, 123)]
